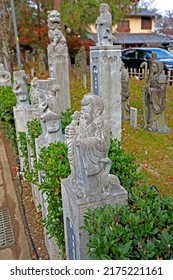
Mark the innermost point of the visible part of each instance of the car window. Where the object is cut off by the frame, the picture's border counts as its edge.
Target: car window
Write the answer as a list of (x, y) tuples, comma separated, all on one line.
[(141, 55), (161, 53), (129, 54)]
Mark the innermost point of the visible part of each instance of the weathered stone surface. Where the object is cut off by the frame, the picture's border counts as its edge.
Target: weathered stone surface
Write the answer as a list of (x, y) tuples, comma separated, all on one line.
[(5, 76), (81, 62), (49, 110), (41, 62), (34, 93), (104, 26), (58, 58), (105, 64), (88, 138), (125, 93), (90, 184), (20, 88), (133, 117), (74, 209), (154, 99)]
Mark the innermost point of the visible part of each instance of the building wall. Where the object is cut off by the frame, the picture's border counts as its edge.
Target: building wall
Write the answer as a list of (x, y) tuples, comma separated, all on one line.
[(135, 26)]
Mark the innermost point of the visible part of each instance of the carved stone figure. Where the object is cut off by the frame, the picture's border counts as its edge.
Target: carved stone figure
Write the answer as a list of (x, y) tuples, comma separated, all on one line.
[(125, 93), (81, 62), (20, 88), (155, 99), (5, 76), (50, 114), (58, 45), (34, 93), (104, 26), (88, 139), (41, 62)]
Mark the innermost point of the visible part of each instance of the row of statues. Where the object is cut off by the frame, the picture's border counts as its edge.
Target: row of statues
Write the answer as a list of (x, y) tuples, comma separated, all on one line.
[(154, 96)]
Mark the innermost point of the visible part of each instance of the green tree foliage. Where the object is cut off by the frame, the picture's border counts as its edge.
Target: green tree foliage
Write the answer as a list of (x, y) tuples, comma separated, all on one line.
[(78, 14)]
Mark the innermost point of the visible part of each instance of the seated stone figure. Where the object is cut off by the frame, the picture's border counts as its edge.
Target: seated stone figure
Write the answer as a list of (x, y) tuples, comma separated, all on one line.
[(155, 100), (5, 77), (88, 139)]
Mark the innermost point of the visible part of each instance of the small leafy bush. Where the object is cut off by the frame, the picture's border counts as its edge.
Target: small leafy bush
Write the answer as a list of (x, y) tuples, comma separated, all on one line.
[(141, 230), (28, 141), (7, 102), (66, 118)]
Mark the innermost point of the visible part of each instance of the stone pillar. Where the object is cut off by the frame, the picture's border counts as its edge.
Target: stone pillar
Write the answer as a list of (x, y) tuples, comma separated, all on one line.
[(105, 64), (49, 114), (74, 209), (58, 58)]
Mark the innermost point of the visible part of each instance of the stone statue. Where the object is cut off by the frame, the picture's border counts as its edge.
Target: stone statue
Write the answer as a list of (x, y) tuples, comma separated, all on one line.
[(104, 26), (81, 62), (58, 45), (41, 59), (125, 93), (50, 115), (155, 99), (34, 93), (88, 139), (20, 88), (5, 76)]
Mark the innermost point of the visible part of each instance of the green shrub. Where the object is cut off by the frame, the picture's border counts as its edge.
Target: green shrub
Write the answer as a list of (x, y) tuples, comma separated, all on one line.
[(54, 165), (7, 102), (124, 166), (141, 230), (66, 118)]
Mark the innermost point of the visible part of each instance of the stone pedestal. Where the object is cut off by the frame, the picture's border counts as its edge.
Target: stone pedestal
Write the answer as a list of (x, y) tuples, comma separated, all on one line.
[(105, 64), (51, 246), (74, 209), (41, 198), (21, 116)]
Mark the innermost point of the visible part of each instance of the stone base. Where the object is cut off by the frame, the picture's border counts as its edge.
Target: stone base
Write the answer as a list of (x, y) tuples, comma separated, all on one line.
[(74, 209)]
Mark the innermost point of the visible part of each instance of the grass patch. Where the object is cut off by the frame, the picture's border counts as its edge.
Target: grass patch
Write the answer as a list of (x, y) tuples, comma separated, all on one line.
[(153, 151)]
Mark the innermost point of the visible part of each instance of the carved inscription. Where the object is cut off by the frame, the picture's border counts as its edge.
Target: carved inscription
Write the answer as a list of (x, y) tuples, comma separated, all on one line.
[(110, 59)]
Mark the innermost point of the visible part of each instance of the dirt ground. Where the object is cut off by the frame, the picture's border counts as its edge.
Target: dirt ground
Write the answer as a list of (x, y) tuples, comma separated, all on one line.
[(30, 217)]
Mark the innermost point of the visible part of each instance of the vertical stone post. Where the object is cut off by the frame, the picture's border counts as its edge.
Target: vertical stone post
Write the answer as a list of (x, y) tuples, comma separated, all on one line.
[(105, 67), (58, 58), (105, 64), (49, 115)]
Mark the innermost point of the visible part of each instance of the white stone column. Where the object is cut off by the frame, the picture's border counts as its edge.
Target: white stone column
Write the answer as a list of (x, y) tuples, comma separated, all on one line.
[(105, 64)]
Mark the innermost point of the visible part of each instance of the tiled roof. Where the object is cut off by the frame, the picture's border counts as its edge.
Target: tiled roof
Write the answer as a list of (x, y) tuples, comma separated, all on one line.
[(143, 12), (137, 38)]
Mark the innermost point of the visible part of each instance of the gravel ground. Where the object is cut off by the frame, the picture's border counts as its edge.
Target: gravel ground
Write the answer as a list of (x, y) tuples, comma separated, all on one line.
[(31, 218)]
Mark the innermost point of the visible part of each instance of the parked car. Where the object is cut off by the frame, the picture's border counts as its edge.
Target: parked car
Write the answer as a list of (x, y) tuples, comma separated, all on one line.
[(133, 57)]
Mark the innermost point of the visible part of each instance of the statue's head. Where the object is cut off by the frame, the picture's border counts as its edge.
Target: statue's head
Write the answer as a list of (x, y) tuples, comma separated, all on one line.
[(157, 66), (94, 105), (104, 7)]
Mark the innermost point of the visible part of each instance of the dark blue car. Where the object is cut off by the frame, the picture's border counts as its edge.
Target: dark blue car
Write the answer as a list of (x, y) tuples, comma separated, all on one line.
[(133, 57)]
